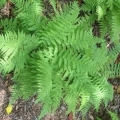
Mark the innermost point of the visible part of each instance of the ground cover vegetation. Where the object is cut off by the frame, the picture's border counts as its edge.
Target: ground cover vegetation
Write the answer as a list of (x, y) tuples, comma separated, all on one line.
[(58, 58)]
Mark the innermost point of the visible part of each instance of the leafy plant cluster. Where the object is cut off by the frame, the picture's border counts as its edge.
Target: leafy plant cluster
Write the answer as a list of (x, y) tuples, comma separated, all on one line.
[(58, 58)]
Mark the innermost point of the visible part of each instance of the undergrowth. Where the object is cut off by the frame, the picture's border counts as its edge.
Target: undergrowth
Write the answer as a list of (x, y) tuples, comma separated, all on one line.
[(58, 58)]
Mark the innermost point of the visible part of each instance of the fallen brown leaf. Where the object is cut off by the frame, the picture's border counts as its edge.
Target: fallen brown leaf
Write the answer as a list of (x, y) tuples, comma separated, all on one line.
[(118, 89), (70, 116)]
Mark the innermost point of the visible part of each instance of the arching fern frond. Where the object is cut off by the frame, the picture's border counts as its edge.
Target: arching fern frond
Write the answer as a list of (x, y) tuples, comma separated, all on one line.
[(14, 50), (55, 32), (2, 3), (8, 25), (38, 77), (113, 115), (26, 11)]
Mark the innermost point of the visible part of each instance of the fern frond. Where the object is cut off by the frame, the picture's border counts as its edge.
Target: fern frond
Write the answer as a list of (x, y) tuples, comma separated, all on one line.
[(26, 11), (14, 49), (103, 24), (110, 4), (113, 115), (2, 2), (8, 25), (115, 25), (98, 118), (53, 3), (78, 70), (55, 32), (37, 77)]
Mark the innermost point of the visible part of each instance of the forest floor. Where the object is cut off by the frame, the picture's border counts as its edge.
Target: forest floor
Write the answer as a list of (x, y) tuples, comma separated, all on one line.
[(27, 110)]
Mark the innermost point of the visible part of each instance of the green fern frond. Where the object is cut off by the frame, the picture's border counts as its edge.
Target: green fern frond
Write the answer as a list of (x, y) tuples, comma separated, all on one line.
[(113, 115), (53, 3), (113, 63), (115, 24), (98, 118), (84, 64), (55, 32), (14, 49), (37, 77), (2, 3), (8, 25), (110, 4), (108, 16), (103, 24), (26, 11)]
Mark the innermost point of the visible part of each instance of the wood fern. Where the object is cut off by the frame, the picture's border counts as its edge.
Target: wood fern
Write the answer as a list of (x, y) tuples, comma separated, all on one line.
[(58, 58)]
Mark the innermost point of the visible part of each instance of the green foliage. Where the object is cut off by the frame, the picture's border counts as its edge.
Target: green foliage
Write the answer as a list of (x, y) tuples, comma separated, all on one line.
[(8, 25), (107, 13), (58, 58), (28, 14), (2, 2), (14, 49), (99, 118), (113, 115)]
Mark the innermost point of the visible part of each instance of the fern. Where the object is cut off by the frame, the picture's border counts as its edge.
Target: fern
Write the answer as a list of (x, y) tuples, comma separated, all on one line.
[(56, 59), (2, 2), (113, 115), (9, 25), (26, 11), (107, 15), (99, 118), (14, 48)]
